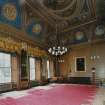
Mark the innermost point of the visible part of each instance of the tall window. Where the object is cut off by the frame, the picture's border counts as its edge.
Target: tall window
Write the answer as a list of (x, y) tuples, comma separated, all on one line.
[(32, 68), (48, 68), (5, 68)]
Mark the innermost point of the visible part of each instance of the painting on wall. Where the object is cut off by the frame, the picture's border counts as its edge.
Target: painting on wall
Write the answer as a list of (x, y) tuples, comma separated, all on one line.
[(80, 64)]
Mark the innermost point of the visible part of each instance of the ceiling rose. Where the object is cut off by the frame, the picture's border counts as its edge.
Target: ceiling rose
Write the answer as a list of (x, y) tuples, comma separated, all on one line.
[(37, 28), (9, 11), (79, 35), (100, 30)]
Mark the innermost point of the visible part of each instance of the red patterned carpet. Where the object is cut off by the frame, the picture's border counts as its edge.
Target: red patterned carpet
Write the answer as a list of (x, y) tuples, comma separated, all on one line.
[(58, 95)]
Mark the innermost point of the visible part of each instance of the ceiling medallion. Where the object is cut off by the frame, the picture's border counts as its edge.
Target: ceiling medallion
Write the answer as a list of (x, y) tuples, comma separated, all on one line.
[(79, 35), (9, 11), (37, 28), (99, 30)]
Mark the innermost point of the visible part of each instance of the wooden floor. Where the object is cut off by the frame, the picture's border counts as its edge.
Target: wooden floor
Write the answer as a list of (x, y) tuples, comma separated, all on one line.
[(98, 100)]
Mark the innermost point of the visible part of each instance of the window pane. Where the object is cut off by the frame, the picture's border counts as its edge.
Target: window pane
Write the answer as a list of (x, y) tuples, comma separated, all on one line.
[(32, 68), (7, 62), (1, 60), (1, 76), (32, 63), (48, 68), (7, 75), (5, 68), (32, 74)]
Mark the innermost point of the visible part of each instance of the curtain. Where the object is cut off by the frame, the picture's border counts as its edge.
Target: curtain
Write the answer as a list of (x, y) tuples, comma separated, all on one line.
[(38, 69), (15, 69), (52, 73), (44, 69)]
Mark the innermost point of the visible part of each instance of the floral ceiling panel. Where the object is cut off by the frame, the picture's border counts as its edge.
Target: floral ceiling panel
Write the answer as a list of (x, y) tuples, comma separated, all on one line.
[(10, 12)]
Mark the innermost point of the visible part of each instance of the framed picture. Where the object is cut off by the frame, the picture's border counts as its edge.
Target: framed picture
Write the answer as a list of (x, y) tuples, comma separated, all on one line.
[(80, 64)]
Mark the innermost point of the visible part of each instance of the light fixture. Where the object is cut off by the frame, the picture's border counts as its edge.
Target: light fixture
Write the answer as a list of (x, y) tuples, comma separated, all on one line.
[(61, 61), (95, 57), (58, 49)]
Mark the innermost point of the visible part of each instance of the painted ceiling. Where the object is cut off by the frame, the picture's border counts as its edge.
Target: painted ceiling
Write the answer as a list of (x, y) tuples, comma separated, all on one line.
[(78, 21)]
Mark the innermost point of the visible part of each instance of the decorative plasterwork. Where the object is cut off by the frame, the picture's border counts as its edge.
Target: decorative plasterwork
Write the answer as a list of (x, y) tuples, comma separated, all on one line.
[(69, 13), (97, 31), (10, 13), (7, 30), (71, 16), (12, 45)]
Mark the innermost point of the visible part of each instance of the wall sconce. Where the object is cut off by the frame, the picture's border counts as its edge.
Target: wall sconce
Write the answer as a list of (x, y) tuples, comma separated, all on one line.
[(61, 61), (94, 57)]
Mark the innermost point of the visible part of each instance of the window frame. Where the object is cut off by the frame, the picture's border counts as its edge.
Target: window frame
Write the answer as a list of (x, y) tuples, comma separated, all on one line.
[(8, 67), (32, 68), (48, 70)]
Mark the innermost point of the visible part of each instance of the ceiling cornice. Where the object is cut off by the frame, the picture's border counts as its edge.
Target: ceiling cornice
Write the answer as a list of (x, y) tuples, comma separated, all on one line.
[(78, 26), (7, 30)]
